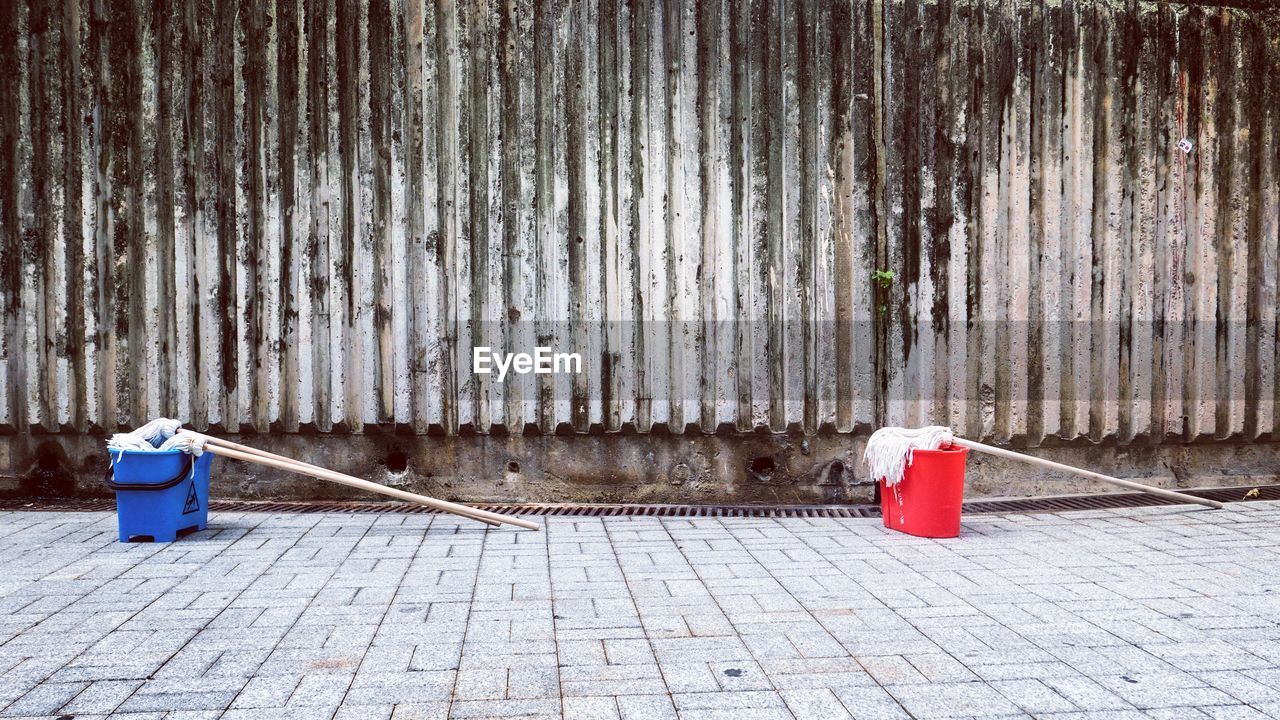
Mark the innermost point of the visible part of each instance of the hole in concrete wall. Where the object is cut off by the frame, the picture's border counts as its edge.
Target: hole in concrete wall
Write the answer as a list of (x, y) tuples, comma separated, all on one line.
[(834, 474), (49, 457), (513, 466), (397, 460), (762, 467), (49, 475)]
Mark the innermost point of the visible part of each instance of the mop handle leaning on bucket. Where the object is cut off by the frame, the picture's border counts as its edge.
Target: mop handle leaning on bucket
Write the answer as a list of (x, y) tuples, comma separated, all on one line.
[(306, 467), (1160, 492), (351, 481), (355, 482)]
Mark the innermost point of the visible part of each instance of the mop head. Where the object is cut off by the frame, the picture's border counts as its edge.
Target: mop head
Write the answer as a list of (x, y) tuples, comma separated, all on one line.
[(890, 450), (186, 441), (148, 438)]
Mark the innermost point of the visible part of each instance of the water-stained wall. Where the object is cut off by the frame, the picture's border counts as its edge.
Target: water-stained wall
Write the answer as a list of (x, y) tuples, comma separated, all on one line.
[(1069, 270), (282, 215)]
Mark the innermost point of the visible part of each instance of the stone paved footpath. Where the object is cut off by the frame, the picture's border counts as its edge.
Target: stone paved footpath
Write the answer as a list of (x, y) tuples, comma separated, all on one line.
[(1161, 612)]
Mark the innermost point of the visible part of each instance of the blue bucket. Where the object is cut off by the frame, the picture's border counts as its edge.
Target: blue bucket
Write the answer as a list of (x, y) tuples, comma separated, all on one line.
[(159, 495)]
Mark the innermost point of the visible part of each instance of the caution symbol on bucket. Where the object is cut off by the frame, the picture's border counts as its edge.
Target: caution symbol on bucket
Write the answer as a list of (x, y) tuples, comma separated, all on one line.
[(193, 502)]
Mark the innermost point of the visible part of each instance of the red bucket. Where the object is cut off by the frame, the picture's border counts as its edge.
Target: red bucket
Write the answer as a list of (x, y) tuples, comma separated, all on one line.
[(927, 501)]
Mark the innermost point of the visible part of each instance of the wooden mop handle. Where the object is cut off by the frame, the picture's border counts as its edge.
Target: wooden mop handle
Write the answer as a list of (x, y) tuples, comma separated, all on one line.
[(1161, 492), (222, 442), (355, 482)]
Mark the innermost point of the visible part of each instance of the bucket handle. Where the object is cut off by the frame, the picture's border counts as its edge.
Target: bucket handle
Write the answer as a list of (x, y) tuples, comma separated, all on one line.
[(182, 475)]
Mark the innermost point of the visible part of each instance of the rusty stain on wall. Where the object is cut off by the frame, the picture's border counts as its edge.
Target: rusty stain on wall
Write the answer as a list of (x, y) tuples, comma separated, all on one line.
[(287, 215)]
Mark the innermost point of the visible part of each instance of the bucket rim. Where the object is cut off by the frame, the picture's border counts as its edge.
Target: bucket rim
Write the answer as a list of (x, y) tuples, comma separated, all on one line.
[(171, 451), (942, 451)]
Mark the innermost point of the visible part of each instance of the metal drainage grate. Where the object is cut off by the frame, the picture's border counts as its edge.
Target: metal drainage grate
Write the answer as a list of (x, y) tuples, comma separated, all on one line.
[(1014, 505)]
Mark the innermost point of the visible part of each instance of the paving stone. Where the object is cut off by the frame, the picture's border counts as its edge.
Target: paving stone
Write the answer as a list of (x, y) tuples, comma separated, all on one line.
[(1086, 694), (948, 700), (579, 681), (736, 700), (737, 714), (1164, 690), (175, 701), (530, 683), (1246, 689), (1235, 712), (320, 691), (940, 667), (689, 677), (821, 703), (591, 708), (892, 670), (420, 711), (628, 652), (45, 699), (1270, 709), (1182, 713), (481, 683), (646, 707), (401, 688), (268, 691), (873, 703), (815, 673), (1033, 696), (584, 652), (504, 708), (351, 711), (101, 697)]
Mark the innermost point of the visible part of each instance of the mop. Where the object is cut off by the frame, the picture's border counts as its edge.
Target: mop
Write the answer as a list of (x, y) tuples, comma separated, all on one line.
[(145, 438), (890, 450), (165, 434)]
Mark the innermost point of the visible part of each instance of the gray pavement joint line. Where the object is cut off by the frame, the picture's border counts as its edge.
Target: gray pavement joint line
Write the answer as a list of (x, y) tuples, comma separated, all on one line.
[(716, 600), (551, 600), (426, 532), (634, 606), (462, 646), (151, 675), (819, 620), (310, 600)]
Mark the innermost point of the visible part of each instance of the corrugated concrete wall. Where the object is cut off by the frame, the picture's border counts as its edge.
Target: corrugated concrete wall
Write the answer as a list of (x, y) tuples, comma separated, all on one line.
[(1069, 271), (294, 214)]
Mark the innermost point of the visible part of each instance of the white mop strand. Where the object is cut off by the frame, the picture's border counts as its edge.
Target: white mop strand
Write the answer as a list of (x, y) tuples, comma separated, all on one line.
[(149, 438), (891, 449)]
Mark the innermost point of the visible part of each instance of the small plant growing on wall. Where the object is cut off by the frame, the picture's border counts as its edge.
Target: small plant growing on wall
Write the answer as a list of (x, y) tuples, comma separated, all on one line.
[(883, 279)]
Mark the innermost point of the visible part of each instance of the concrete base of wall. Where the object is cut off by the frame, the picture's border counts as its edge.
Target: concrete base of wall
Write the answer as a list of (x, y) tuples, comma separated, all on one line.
[(750, 468)]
